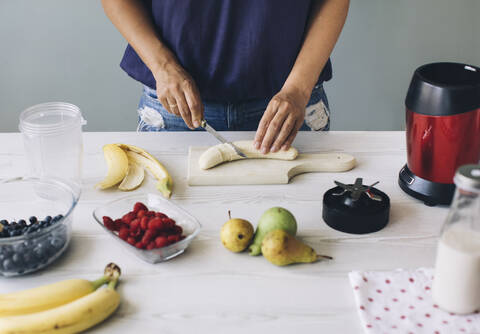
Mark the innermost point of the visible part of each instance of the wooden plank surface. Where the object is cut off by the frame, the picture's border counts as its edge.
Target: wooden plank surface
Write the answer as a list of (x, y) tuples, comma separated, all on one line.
[(210, 290)]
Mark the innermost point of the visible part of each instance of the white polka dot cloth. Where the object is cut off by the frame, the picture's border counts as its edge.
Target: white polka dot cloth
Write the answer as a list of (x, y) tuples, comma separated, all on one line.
[(400, 301)]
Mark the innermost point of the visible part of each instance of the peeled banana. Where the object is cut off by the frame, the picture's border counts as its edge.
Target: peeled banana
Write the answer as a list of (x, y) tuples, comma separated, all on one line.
[(46, 297), (221, 153), (73, 317), (117, 163)]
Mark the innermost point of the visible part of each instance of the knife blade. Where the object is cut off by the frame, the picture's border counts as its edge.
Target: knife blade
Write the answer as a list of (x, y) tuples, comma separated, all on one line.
[(213, 132)]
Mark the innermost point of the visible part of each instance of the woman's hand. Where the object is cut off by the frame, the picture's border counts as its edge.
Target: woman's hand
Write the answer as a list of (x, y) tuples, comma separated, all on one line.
[(282, 119), (178, 94)]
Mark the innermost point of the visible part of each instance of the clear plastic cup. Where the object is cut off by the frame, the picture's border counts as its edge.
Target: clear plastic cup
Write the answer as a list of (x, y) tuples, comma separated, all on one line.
[(52, 137)]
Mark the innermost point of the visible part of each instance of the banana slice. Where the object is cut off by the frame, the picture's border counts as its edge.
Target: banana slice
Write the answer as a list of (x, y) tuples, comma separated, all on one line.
[(134, 177), (218, 154), (146, 160), (117, 163)]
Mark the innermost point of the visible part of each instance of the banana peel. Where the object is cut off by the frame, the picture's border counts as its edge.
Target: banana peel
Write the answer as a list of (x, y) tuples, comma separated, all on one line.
[(117, 163), (134, 177), (142, 158)]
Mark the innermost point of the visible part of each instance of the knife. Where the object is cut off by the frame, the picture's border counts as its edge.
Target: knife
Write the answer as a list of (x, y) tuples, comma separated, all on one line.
[(213, 132)]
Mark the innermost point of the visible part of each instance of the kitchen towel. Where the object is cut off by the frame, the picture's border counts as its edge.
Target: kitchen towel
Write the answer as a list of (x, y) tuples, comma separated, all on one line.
[(400, 301)]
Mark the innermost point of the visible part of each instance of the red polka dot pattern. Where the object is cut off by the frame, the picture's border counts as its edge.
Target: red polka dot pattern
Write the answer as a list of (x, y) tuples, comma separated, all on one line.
[(403, 304)]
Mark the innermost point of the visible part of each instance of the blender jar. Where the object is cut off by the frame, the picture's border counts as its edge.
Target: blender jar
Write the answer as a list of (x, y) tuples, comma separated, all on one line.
[(456, 285), (52, 137)]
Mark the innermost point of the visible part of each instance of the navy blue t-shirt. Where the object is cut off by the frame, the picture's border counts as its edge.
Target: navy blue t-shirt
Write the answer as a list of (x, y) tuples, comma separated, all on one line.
[(235, 50)]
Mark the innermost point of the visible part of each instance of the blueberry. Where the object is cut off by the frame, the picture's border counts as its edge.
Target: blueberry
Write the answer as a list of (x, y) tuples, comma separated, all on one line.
[(22, 223), (57, 243), (8, 265), (4, 222), (48, 219), (32, 228), (15, 233), (17, 259), (32, 219), (28, 259), (57, 218)]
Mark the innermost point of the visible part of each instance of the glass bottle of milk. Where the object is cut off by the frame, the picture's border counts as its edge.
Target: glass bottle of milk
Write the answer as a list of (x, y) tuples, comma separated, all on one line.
[(456, 285)]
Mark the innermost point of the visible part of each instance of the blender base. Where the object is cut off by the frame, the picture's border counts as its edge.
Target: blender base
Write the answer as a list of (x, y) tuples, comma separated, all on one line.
[(431, 193)]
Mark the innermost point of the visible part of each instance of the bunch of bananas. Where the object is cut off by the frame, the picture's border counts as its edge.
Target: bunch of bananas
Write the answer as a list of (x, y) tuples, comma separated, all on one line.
[(127, 164), (64, 307)]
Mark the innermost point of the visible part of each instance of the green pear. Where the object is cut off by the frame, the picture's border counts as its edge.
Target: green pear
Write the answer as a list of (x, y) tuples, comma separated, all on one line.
[(281, 249), (236, 234), (273, 219)]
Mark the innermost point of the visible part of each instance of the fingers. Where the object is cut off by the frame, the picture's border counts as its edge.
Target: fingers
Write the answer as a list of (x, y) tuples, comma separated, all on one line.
[(288, 142), (274, 130), (263, 125), (287, 127), (184, 110), (195, 105), (170, 105)]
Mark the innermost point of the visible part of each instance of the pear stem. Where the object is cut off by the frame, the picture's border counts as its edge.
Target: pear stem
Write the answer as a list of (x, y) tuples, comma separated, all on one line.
[(229, 215), (324, 257)]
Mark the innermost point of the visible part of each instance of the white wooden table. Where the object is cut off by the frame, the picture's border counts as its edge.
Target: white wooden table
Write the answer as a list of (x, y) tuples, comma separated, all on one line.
[(210, 290)]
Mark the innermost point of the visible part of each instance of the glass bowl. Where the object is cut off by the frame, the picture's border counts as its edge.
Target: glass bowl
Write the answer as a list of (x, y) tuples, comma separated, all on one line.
[(28, 247), (117, 208)]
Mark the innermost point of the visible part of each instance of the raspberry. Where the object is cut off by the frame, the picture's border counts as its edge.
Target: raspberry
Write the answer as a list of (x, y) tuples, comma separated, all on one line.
[(131, 241), (135, 233), (150, 213), (141, 213), (161, 242), (173, 238), (148, 236), (124, 233), (177, 230), (118, 223), (108, 223), (135, 224), (140, 245), (128, 217), (160, 215), (168, 222), (151, 245), (155, 224), (144, 223), (139, 206)]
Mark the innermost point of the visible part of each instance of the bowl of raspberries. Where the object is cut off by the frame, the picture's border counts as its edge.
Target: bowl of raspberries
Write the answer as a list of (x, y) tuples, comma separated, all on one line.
[(153, 228)]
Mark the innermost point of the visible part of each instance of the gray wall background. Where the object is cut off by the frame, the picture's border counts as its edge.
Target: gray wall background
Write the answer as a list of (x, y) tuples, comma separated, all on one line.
[(65, 50)]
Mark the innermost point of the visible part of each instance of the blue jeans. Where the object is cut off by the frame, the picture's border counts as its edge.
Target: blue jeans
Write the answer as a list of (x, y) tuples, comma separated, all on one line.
[(243, 116)]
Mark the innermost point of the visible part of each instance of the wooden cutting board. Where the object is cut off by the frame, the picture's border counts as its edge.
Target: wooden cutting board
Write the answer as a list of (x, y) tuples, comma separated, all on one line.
[(264, 171)]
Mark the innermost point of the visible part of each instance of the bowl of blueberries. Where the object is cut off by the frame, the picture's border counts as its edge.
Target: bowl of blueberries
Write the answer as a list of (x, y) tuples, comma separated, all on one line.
[(35, 222)]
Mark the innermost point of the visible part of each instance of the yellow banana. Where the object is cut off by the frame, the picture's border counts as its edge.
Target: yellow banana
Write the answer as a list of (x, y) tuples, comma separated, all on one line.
[(73, 317), (117, 163), (145, 159), (46, 297)]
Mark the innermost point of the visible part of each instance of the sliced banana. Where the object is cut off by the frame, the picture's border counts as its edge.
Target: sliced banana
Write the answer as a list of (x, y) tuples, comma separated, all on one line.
[(221, 153)]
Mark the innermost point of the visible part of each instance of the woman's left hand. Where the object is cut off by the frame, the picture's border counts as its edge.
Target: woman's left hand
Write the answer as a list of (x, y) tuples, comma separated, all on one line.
[(281, 121)]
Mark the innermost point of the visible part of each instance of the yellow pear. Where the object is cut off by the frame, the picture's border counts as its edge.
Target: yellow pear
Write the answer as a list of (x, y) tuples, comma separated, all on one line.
[(236, 234), (281, 249)]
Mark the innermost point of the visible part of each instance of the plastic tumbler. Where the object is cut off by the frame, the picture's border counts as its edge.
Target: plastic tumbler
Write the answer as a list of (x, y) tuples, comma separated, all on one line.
[(52, 137)]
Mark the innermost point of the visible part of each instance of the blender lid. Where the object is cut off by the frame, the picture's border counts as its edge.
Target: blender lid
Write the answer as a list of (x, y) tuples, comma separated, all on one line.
[(443, 89)]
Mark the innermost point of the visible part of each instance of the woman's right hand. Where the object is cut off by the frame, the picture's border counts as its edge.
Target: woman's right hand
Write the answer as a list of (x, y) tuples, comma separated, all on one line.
[(178, 94)]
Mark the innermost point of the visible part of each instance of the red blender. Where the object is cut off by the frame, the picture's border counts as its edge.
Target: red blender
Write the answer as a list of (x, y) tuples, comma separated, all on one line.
[(443, 129)]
